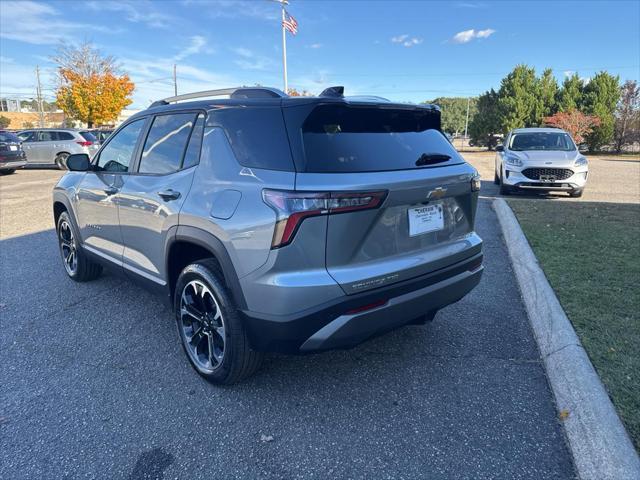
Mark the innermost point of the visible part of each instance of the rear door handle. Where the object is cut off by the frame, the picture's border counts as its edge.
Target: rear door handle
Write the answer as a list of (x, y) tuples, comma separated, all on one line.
[(169, 194), (111, 190)]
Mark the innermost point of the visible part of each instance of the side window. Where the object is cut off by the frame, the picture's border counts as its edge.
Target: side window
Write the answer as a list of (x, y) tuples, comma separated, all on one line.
[(47, 136), (192, 155), (166, 143), (117, 154), (27, 136), (65, 136)]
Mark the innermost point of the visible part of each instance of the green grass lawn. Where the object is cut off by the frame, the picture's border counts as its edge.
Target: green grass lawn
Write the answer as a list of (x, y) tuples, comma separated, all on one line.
[(590, 252)]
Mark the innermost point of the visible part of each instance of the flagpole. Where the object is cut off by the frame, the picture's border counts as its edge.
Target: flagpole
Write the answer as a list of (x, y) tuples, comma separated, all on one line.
[(284, 48)]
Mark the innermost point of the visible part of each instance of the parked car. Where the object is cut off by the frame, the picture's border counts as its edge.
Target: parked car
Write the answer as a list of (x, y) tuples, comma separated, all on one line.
[(52, 146), (12, 155), (101, 134), (540, 159), (275, 223)]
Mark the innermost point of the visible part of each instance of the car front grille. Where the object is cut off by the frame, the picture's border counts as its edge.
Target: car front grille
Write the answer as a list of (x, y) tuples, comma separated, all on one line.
[(557, 173)]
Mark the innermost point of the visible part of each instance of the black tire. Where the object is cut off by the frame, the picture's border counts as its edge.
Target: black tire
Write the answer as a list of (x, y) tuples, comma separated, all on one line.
[(82, 269), (496, 178), (577, 193), (235, 360), (61, 160), (505, 189), (7, 172)]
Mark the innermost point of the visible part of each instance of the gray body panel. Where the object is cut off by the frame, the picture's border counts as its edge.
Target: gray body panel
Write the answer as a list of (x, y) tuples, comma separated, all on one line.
[(247, 234), (371, 248), (146, 219), (96, 211)]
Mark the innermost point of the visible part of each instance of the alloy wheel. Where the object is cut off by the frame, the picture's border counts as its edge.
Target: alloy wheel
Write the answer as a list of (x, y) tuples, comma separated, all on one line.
[(68, 248), (61, 161), (202, 326)]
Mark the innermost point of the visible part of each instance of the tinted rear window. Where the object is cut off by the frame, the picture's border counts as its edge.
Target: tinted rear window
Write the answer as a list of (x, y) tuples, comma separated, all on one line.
[(257, 136), (340, 138), (88, 136), (63, 136), (9, 137)]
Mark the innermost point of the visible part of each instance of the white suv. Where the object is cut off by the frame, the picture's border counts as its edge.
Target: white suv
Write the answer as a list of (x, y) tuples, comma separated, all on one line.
[(52, 146), (544, 159)]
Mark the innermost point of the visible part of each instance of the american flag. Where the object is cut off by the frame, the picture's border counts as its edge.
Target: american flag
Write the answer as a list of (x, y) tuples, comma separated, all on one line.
[(290, 23)]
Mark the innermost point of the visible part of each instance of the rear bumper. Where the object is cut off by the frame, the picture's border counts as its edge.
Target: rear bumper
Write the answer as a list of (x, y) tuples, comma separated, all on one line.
[(330, 326)]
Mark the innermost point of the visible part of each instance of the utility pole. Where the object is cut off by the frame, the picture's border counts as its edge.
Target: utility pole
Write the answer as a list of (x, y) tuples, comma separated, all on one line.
[(175, 81), (39, 98)]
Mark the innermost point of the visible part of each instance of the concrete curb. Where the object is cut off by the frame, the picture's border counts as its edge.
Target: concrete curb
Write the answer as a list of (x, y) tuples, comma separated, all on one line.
[(599, 443)]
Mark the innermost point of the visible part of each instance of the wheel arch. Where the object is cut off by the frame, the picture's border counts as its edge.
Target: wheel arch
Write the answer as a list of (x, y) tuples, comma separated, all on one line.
[(62, 204), (190, 244)]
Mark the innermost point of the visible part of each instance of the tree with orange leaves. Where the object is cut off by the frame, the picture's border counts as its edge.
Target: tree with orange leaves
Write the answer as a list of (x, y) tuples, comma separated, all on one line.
[(90, 87), (575, 122)]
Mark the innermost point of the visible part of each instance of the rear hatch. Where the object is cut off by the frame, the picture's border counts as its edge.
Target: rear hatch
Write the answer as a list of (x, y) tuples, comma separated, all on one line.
[(425, 219), (10, 145)]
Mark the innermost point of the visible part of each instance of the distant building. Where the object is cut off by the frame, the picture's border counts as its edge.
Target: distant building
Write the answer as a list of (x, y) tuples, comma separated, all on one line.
[(9, 104)]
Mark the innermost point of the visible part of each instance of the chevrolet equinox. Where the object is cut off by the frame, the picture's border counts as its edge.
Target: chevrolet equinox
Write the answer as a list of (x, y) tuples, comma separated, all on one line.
[(274, 223)]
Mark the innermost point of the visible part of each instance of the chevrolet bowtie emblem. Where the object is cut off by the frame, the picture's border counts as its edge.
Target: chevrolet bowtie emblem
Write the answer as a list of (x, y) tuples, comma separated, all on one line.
[(437, 193)]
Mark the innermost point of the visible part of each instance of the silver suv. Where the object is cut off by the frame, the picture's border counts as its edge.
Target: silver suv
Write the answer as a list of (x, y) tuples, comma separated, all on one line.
[(540, 159), (274, 223), (52, 146)]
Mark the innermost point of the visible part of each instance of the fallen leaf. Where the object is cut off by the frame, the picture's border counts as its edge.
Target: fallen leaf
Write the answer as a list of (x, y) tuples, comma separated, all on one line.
[(266, 438), (564, 414)]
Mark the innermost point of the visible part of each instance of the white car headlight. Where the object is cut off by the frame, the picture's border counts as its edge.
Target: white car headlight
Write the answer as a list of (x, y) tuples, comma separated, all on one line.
[(511, 160), (581, 162)]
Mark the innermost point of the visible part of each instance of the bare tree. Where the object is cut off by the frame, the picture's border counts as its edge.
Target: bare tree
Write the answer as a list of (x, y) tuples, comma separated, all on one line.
[(628, 115), (84, 60)]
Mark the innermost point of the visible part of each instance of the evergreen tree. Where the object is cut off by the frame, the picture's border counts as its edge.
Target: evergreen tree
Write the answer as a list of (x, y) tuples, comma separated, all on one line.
[(570, 95), (601, 97), (547, 93), (454, 113), (486, 121), (518, 101)]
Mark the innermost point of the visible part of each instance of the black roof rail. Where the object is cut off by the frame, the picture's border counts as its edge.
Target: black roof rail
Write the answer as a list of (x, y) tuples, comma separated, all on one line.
[(236, 92)]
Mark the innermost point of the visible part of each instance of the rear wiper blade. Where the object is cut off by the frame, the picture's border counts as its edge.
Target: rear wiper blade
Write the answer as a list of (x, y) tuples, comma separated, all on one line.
[(431, 159)]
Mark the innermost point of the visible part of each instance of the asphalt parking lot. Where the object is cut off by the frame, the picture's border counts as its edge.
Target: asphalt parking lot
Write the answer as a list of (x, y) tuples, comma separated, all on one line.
[(94, 383)]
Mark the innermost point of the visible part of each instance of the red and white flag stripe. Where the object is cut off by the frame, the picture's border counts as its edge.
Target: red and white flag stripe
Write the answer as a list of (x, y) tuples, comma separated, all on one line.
[(290, 24)]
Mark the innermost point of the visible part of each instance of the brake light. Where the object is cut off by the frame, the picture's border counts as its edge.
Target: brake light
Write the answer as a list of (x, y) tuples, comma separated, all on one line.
[(85, 144), (293, 207)]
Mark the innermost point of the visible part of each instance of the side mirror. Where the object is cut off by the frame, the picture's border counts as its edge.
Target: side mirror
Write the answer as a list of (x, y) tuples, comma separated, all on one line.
[(500, 148), (78, 162)]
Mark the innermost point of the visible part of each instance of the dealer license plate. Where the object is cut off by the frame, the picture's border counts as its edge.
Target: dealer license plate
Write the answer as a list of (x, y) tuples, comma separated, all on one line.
[(425, 219), (13, 147)]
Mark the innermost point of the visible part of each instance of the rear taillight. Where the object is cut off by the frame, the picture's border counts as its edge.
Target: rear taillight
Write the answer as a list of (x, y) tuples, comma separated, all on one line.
[(293, 207), (85, 144)]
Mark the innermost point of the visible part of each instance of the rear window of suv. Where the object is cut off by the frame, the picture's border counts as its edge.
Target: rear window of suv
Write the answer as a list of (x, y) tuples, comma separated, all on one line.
[(89, 137), (342, 138), (8, 137)]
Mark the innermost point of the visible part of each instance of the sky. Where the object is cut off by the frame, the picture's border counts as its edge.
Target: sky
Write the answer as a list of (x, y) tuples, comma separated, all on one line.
[(403, 50)]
